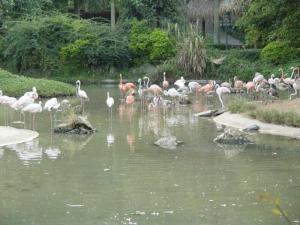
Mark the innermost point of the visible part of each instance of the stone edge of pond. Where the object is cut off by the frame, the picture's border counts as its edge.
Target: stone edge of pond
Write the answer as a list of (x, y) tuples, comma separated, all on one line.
[(11, 135), (240, 122)]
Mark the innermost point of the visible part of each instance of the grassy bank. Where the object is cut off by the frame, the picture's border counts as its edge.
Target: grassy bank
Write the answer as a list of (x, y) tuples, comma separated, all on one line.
[(14, 85), (282, 113)]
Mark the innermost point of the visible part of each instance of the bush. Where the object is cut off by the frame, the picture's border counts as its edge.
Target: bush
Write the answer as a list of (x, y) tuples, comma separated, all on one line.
[(162, 46), (278, 52), (51, 43), (139, 38)]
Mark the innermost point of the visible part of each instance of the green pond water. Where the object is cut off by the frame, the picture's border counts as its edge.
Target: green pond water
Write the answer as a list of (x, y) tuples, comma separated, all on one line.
[(118, 176)]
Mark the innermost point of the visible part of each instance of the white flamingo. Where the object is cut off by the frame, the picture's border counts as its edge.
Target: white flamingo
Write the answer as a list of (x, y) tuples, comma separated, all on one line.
[(81, 94), (180, 83), (296, 86), (51, 105), (110, 102), (220, 91), (32, 109)]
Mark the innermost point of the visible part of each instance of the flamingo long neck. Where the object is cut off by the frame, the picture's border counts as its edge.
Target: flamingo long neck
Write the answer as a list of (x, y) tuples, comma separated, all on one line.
[(147, 85), (121, 79), (281, 72), (164, 77)]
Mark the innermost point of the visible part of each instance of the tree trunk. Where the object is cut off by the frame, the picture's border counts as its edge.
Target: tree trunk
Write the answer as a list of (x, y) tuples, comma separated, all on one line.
[(112, 14), (203, 28), (77, 7), (216, 22)]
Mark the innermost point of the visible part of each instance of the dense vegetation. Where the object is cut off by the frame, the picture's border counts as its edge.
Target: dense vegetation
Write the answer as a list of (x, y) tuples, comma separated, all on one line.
[(48, 38)]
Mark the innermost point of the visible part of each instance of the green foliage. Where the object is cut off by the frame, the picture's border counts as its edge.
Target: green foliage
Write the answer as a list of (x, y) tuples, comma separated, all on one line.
[(139, 38), (242, 63), (40, 42), (151, 10), (14, 85), (278, 52), (162, 46), (192, 55), (277, 117), (271, 20), (146, 44), (240, 105)]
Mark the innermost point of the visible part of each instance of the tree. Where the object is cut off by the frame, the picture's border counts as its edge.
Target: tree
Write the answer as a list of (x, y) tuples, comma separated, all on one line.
[(152, 10), (271, 20)]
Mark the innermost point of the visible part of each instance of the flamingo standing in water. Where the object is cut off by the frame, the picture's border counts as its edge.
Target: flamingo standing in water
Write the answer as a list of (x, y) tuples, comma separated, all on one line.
[(220, 91), (110, 102), (154, 88), (125, 87), (81, 94), (207, 88), (51, 105), (130, 98), (33, 109), (165, 83)]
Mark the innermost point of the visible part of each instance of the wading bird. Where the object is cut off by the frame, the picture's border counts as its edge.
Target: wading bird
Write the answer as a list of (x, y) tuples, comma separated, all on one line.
[(165, 83), (81, 94), (33, 109), (110, 102), (220, 91), (125, 87), (51, 106)]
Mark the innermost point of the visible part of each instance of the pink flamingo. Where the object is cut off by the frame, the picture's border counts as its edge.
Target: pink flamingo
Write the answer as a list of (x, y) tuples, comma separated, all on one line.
[(165, 83), (154, 88), (238, 84), (130, 99), (220, 91), (250, 87), (125, 87), (207, 88)]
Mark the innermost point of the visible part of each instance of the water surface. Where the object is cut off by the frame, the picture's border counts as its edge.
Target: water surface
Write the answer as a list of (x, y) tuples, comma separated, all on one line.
[(118, 176)]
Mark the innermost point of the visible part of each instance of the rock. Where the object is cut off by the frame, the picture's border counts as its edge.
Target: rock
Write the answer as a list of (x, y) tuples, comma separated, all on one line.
[(80, 125), (207, 113), (168, 142), (233, 137), (251, 128)]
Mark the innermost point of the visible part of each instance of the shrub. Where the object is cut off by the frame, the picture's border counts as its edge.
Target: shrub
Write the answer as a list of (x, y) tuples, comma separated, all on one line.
[(40, 42), (162, 46), (192, 56), (139, 38), (278, 52)]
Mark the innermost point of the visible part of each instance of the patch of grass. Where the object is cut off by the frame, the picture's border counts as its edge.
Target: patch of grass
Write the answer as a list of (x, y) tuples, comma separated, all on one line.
[(14, 85), (277, 117), (240, 105)]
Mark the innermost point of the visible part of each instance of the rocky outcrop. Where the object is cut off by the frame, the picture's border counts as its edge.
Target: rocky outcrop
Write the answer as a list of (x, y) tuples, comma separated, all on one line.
[(80, 125), (233, 136), (168, 142)]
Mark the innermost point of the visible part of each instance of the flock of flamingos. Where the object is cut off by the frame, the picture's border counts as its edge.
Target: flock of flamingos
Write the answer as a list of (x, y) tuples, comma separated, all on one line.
[(153, 94)]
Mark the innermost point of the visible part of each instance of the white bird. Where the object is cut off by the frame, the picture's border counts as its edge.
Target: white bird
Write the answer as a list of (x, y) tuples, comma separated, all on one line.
[(194, 86), (33, 109), (51, 104), (81, 94), (110, 102), (271, 79), (180, 83), (258, 77), (296, 86), (34, 94), (172, 92), (220, 91)]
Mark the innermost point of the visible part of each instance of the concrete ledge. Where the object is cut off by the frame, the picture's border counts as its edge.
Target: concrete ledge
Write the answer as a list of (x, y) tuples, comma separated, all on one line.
[(241, 122), (11, 135)]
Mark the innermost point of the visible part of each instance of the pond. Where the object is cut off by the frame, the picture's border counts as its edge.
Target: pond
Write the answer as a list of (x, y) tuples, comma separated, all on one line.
[(118, 176)]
